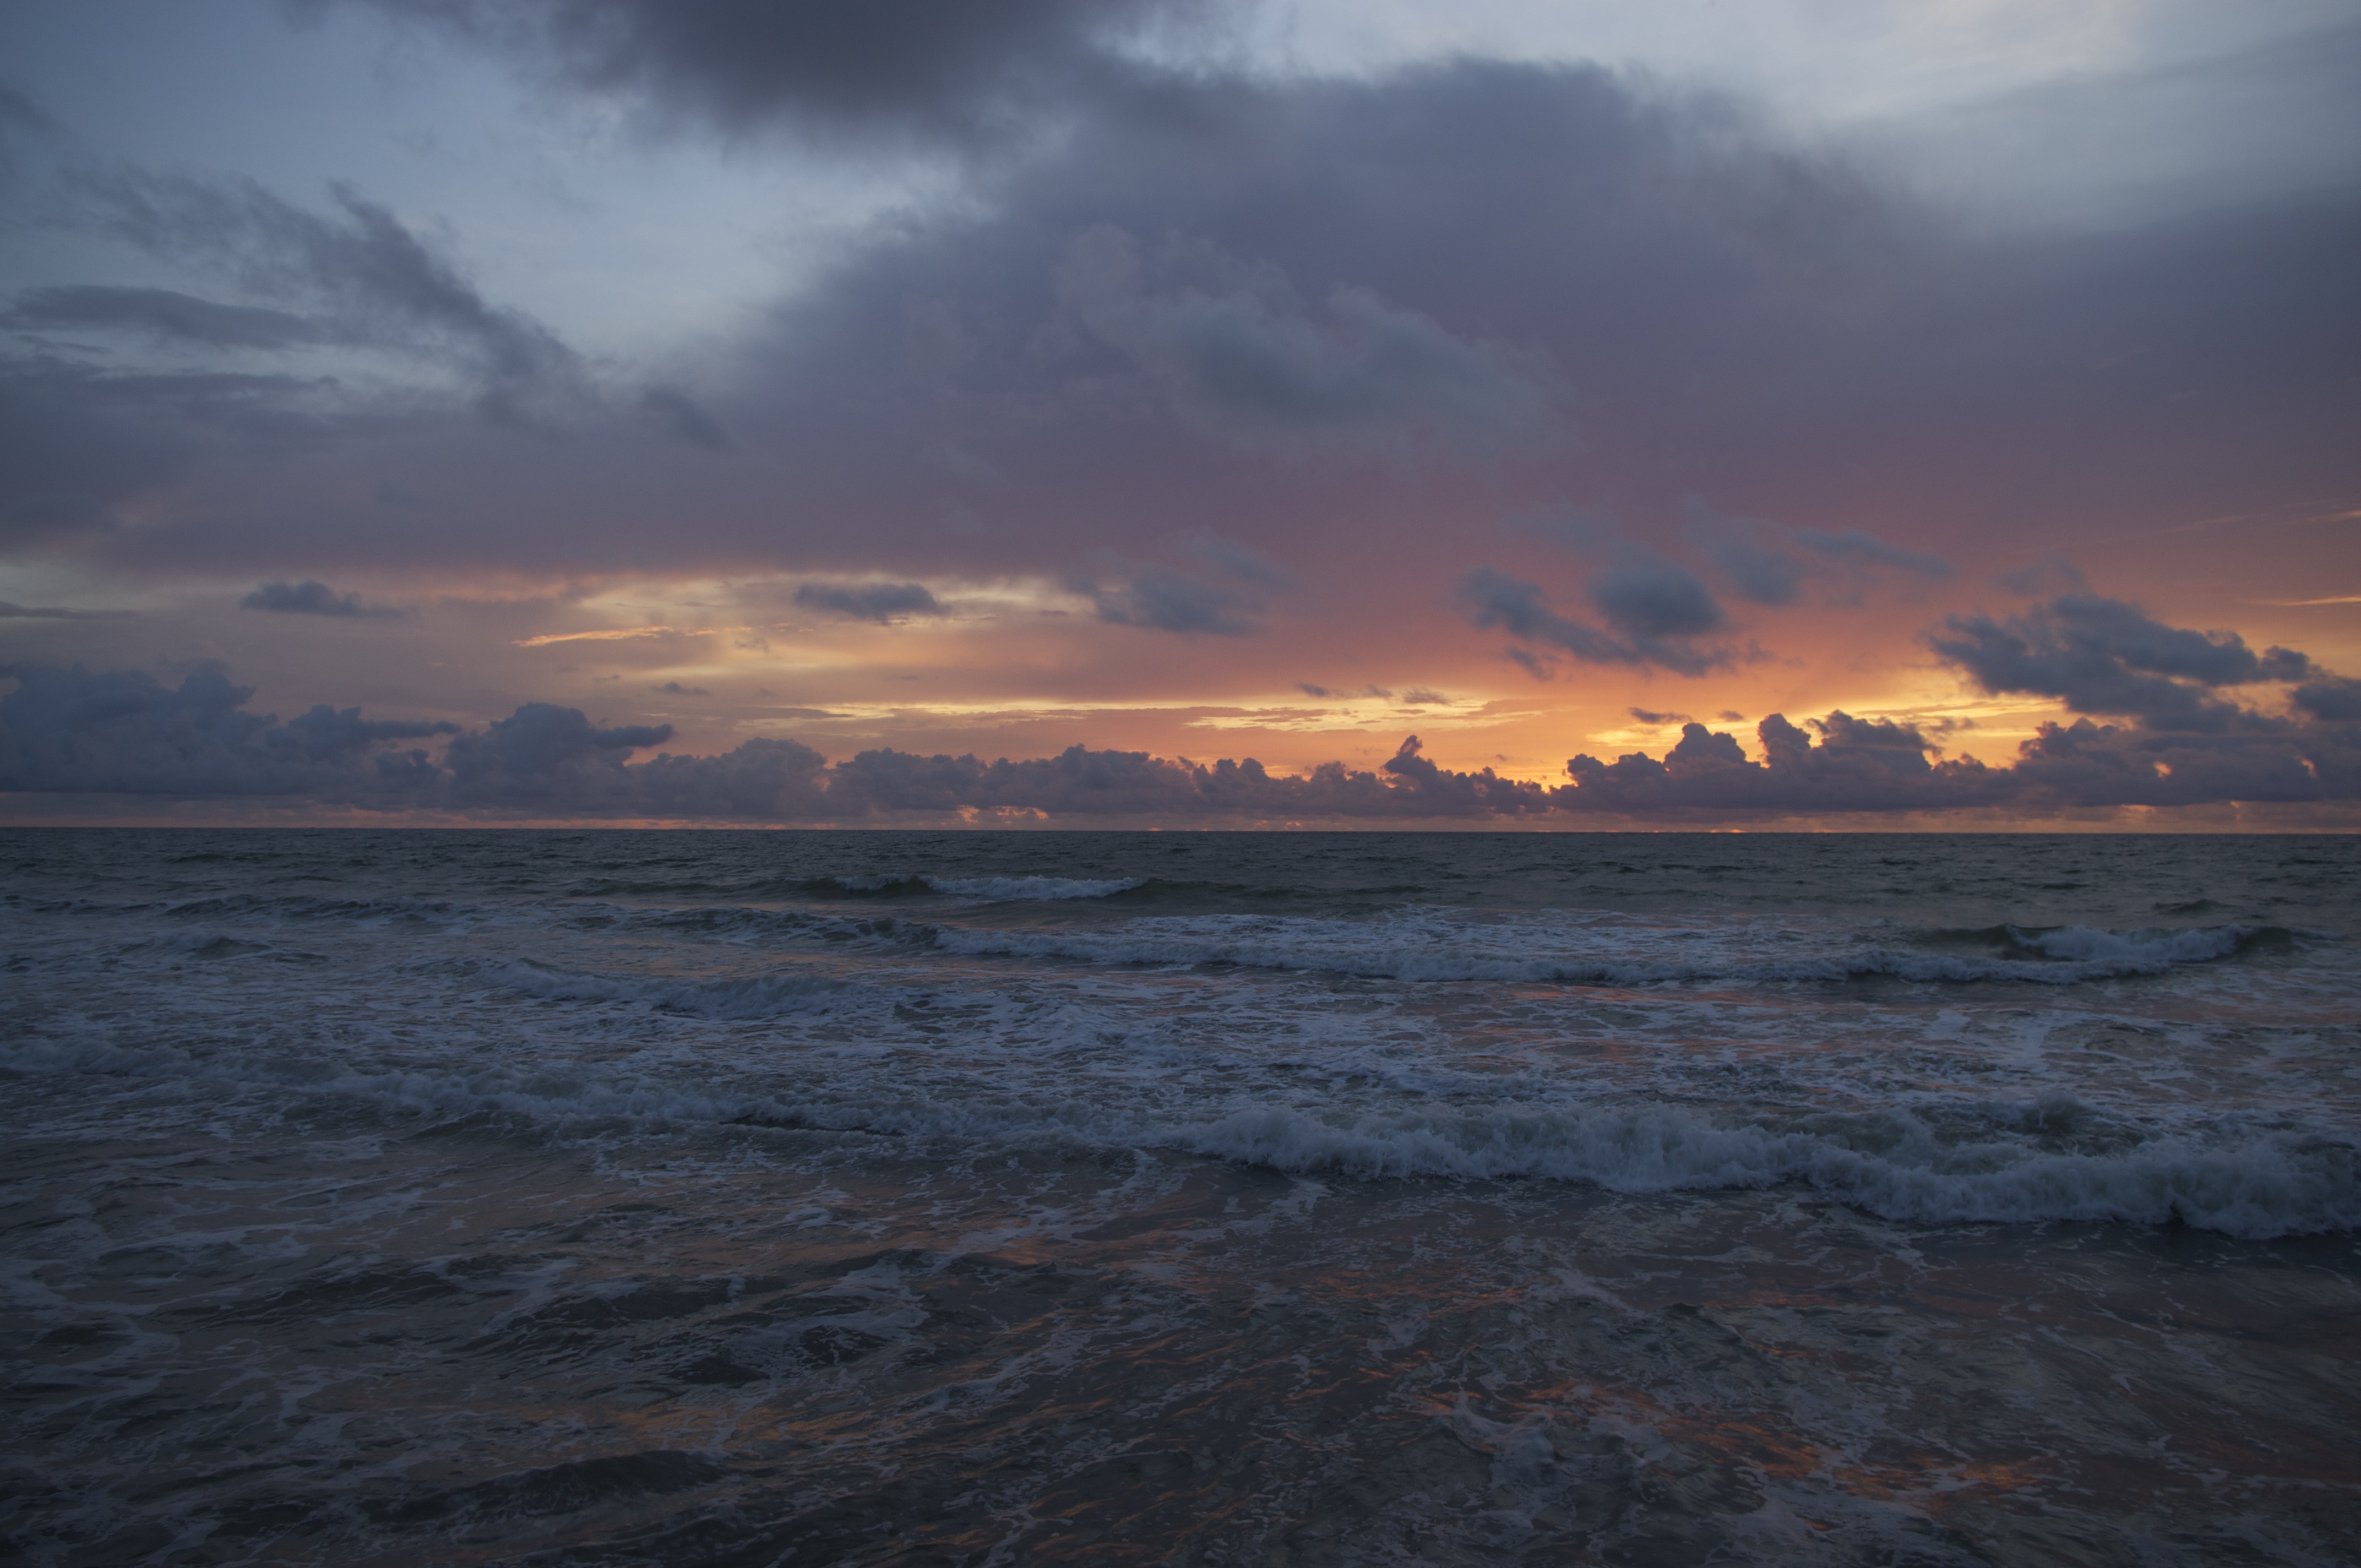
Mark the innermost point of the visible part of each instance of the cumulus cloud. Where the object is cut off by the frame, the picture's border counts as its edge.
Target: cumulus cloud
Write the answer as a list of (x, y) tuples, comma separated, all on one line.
[(1881, 766), (883, 603), (124, 733), (308, 598), (2103, 655)]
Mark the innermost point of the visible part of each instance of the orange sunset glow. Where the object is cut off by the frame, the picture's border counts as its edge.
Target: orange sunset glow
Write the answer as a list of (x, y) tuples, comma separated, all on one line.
[(1532, 392)]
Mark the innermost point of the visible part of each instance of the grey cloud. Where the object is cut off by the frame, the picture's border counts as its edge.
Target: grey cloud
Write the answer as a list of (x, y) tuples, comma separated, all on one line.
[(686, 419), (162, 312), (543, 754), (1652, 600), (933, 68), (1714, 303), (1756, 553), (1854, 545), (377, 283), (1239, 355), (1308, 689), (51, 612), (124, 733), (1761, 574), (1419, 696), (2102, 655), (79, 438), (2331, 701), (2052, 572), (1879, 766), (882, 602), (1246, 565), (1649, 603), (1585, 530), (673, 688), (308, 598), (19, 112), (1160, 597), (1647, 716)]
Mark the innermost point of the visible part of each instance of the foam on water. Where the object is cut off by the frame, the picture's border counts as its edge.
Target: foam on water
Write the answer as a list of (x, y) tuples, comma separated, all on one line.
[(387, 1198)]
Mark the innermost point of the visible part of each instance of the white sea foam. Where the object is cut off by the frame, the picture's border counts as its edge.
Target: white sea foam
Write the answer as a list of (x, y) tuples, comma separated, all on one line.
[(2255, 1181)]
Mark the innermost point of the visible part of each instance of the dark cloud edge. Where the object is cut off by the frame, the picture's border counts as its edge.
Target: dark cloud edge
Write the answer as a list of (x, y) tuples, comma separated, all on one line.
[(68, 734)]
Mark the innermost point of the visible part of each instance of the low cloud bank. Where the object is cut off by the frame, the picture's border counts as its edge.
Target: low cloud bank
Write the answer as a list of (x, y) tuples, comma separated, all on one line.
[(68, 730)]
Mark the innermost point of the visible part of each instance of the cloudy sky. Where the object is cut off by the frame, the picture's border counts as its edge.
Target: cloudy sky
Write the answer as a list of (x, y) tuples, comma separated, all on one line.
[(1680, 413)]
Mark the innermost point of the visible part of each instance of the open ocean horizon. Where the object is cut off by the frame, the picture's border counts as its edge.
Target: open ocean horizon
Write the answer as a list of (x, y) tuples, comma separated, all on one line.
[(685, 1196)]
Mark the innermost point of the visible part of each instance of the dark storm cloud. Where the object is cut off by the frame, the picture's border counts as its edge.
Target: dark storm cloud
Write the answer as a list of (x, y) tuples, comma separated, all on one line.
[(68, 730), (162, 312), (1655, 606), (2102, 655), (938, 69), (308, 598), (881, 602)]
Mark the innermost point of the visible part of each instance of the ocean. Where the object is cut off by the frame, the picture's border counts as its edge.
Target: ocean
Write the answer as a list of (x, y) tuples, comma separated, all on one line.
[(749, 1198)]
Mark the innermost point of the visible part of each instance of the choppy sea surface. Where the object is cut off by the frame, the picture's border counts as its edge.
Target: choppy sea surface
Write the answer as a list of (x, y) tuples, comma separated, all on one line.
[(684, 1198)]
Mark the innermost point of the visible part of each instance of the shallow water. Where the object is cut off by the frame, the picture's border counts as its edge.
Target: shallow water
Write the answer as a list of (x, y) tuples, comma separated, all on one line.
[(694, 1197)]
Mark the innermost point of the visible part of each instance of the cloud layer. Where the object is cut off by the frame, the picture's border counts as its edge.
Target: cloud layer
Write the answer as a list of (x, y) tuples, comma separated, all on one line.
[(124, 733)]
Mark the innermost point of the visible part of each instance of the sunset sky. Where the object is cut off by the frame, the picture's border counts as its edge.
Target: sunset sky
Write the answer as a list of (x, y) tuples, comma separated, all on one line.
[(691, 410)]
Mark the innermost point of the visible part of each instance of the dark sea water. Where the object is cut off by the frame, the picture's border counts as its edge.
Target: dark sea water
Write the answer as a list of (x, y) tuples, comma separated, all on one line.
[(677, 1198)]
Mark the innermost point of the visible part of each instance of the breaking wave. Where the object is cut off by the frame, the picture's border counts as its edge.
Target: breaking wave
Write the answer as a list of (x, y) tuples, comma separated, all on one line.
[(2250, 1182)]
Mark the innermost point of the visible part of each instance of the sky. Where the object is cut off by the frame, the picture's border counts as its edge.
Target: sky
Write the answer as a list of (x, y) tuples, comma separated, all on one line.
[(1603, 414)]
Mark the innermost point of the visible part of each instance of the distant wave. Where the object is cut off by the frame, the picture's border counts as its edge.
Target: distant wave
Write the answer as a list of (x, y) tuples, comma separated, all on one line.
[(1435, 951), (993, 889), (752, 996)]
